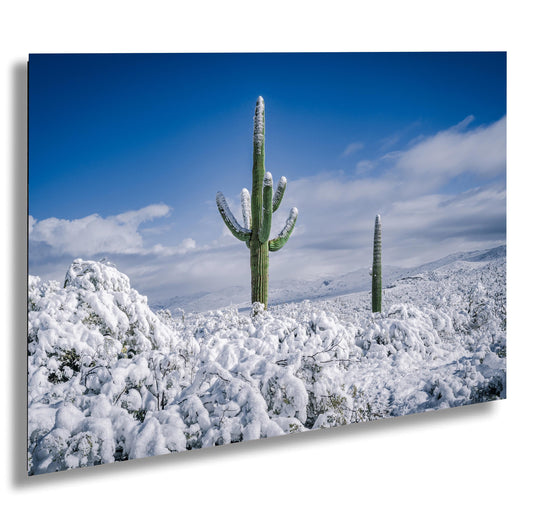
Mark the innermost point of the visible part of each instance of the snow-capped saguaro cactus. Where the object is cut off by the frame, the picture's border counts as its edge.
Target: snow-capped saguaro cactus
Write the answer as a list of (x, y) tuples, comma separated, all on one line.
[(376, 267), (257, 213)]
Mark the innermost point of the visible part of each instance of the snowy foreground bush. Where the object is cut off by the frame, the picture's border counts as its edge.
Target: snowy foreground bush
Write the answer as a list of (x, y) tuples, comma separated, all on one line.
[(109, 380)]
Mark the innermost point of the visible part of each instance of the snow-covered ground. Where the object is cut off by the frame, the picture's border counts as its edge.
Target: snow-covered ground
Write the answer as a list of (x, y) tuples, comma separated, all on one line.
[(111, 380)]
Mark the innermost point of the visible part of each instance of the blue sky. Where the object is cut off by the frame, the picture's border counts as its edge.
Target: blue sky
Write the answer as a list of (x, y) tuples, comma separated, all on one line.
[(127, 152)]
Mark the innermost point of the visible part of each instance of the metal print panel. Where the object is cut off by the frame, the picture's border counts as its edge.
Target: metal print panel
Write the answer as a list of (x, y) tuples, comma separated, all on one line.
[(225, 247)]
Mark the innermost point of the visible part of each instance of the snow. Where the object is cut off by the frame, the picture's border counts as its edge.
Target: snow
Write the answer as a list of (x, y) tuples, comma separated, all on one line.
[(280, 190), (111, 380), (227, 213), (246, 208), (259, 125), (289, 224)]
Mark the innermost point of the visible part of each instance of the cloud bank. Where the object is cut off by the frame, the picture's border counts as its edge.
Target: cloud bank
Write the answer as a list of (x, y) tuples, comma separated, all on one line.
[(440, 194), (94, 234), (449, 153)]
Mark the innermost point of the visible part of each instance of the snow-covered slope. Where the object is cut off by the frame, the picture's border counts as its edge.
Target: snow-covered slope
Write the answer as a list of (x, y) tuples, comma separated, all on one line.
[(279, 292), (110, 380), (485, 255), (298, 290)]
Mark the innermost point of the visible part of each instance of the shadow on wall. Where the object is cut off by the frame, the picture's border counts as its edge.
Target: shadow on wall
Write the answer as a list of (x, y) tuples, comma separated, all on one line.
[(18, 256)]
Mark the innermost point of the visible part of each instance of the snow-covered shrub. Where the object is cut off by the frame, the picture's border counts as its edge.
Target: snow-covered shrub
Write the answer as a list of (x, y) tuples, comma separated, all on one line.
[(111, 380), (96, 347)]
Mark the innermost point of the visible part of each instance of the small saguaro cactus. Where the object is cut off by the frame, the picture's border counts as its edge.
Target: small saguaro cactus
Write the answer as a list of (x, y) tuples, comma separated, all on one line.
[(257, 212), (376, 267)]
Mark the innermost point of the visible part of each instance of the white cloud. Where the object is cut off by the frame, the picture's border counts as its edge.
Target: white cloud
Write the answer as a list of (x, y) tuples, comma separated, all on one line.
[(137, 217), (352, 148), (480, 151), (420, 222), (94, 234), (463, 124), (185, 246), (188, 243), (364, 166)]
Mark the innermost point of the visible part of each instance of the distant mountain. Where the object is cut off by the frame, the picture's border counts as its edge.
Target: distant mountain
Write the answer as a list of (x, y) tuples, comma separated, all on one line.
[(204, 301), (485, 255), (327, 287)]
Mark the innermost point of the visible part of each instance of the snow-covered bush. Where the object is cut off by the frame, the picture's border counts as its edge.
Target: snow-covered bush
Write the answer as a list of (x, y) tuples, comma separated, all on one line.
[(111, 380)]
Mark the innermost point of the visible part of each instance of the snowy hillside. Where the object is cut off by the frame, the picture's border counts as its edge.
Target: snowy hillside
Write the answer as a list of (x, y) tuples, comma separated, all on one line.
[(326, 287), (111, 380), (279, 292)]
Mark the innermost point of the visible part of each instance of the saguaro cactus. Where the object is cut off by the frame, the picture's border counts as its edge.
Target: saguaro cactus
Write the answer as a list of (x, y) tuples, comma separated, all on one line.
[(376, 267), (257, 212)]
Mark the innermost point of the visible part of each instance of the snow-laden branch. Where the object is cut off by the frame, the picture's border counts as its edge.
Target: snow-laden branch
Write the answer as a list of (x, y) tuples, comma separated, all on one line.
[(277, 243), (280, 190), (231, 222), (246, 209)]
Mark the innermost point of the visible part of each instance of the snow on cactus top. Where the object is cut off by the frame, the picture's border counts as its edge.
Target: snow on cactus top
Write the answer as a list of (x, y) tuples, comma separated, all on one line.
[(259, 125), (282, 183), (246, 208), (291, 220)]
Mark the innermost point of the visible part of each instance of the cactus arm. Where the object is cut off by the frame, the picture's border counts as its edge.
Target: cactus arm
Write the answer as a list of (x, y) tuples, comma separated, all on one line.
[(227, 216), (266, 223), (246, 208), (246, 211), (280, 190), (277, 243), (376, 267)]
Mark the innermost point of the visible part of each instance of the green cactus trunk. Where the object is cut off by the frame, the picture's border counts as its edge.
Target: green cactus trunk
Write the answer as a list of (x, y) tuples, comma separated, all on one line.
[(257, 213), (258, 249), (259, 269), (376, 267)]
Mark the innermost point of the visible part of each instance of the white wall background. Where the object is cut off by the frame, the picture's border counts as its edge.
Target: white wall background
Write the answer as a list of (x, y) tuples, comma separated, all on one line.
[(468, 460)]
